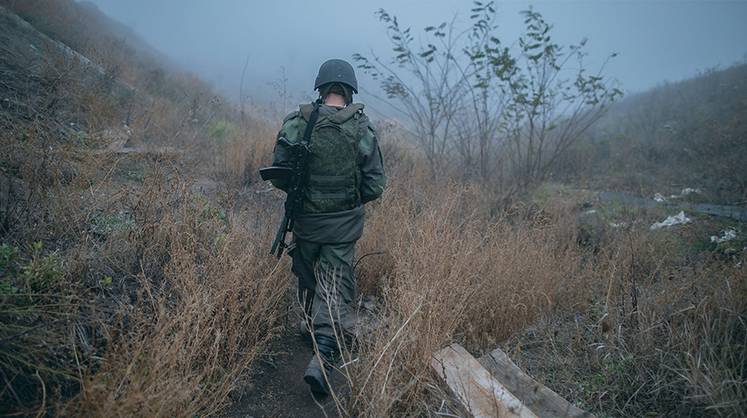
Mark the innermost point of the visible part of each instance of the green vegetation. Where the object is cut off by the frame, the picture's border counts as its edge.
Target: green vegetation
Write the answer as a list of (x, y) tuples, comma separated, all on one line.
[(223, 130)]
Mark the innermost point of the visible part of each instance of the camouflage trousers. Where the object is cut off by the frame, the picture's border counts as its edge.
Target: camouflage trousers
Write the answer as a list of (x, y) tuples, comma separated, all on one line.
[(326, 283)]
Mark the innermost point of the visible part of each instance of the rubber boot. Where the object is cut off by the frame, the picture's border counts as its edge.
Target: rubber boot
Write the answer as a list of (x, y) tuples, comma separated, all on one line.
[(321, 365)]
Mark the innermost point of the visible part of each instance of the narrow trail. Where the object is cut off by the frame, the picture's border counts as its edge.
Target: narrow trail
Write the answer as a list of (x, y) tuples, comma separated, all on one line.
[(277, 389)]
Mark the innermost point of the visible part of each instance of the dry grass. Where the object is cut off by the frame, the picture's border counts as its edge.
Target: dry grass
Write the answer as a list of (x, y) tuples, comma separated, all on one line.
[(238, 156), (640, 325), (452, 272), (123, 292), (192, 333), (667, 337), (182, 294)]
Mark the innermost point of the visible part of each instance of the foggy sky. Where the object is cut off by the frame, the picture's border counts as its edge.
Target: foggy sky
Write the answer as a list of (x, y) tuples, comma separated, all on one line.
[(656, 40)]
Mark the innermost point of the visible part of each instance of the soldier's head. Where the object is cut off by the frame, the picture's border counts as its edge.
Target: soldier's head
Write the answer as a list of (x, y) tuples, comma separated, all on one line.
[(336, 80)]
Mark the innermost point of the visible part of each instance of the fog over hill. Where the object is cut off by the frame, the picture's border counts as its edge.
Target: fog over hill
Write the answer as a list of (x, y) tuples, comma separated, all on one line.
[(657, 41)]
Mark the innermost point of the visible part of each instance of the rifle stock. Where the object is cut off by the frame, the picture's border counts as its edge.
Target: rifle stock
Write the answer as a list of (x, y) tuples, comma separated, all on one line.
[(275, 172)]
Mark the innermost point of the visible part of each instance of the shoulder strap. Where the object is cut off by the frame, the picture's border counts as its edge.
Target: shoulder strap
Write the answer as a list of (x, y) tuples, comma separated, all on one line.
[(342, 115), (310, 124), (291, 115)]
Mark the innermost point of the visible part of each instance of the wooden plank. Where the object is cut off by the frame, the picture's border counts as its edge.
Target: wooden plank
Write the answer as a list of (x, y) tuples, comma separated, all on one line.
[(537, 397), (481, 394)]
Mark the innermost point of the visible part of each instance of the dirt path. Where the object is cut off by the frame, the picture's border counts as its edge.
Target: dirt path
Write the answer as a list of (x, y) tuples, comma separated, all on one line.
[(277, 389)]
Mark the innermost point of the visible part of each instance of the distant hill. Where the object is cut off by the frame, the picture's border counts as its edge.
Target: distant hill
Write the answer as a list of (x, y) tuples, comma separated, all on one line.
[(118, 50), (84, 28), (691, 133)]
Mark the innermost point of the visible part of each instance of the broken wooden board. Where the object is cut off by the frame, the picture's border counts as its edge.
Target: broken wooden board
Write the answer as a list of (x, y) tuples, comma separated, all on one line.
[(481, 394), (537, 397)]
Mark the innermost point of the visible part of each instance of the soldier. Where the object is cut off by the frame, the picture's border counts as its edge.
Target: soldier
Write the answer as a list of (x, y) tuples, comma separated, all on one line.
[(344, 170)]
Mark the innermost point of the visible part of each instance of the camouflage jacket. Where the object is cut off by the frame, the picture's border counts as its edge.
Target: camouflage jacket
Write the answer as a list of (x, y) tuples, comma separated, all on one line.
[(345, 225)]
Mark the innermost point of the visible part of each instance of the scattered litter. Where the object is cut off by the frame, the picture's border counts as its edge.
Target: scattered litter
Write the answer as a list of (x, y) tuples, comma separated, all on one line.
[(677, 219), (659, 198), (618, 225), (590, 212), (726, 235), (685, 192)]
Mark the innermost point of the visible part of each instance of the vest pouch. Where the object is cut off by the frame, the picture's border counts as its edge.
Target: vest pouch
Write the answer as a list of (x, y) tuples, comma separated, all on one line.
[(330, 187)]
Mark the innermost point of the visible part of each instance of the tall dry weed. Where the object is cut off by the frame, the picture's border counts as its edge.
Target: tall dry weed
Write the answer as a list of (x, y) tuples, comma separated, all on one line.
[(450, 271), (180, 348), (665, 336)]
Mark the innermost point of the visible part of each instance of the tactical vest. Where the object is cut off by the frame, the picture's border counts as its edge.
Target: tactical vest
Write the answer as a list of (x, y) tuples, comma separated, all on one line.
[(333, 182)]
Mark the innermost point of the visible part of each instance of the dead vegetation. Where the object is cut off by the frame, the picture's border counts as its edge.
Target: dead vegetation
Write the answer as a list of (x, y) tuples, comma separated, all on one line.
[(124, 289), (642, 325)]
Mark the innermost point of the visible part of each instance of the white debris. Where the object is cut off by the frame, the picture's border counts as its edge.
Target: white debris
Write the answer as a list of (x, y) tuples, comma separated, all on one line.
[(685, 192), (659, 198), (726, 235), (590, 212), (677, 219), (618, 225)]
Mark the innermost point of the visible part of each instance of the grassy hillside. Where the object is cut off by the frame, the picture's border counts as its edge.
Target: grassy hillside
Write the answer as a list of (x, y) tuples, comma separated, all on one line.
[(685, 134), (112, 256)]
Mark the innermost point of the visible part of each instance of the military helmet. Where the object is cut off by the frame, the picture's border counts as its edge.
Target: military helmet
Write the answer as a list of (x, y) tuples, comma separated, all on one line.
[(336, 71)]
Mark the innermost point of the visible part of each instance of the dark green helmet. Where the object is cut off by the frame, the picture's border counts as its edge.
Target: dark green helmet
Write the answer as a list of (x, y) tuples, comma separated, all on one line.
[(336, 71)]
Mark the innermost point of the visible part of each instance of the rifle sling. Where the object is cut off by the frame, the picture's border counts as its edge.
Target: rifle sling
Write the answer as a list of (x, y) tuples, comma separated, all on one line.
[(310, 125), (306, 142)]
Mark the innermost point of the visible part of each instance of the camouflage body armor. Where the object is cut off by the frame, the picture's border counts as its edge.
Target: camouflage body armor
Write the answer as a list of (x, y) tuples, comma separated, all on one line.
[(334, 177)]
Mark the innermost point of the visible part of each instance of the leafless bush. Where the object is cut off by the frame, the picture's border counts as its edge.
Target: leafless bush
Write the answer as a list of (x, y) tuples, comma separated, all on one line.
[(508, 115)]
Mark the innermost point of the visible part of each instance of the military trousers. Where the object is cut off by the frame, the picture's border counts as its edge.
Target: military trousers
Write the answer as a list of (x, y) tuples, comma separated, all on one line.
[(326, 283)]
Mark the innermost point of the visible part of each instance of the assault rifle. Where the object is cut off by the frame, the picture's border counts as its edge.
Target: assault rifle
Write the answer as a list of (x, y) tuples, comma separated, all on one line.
[(295, 178)]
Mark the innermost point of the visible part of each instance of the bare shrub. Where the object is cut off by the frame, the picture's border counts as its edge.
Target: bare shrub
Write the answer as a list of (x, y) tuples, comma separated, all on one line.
[(507, 114)]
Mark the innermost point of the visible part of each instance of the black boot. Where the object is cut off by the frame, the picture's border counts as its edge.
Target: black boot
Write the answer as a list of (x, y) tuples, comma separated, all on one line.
[(319, 371)]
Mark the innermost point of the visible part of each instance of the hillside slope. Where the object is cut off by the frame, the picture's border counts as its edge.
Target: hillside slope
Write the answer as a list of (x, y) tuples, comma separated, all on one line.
[(686, 134), (113, 242)]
